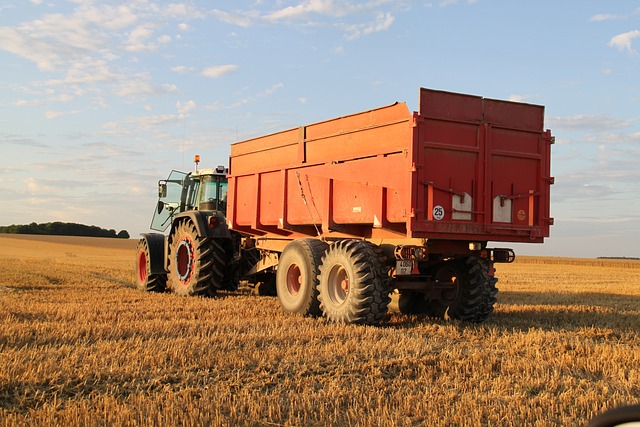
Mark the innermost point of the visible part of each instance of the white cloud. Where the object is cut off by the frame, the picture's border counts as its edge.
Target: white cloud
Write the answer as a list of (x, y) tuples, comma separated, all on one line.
[(182, 69), (326, 7), (27, 103), (138, 37), (623, 41), (53, 114), (184, 108), (164, 39), (235, 19), (219, 70), (142, 88), (605, 17), (518, 98), (249, 99), (382, 22), (587, 122)]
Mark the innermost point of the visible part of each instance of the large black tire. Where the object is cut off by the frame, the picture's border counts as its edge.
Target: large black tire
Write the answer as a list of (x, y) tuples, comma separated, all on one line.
[(488, 295), (472, 294), (194, 267), (225, 272), (145, 281), (297, 276), (354, 285)]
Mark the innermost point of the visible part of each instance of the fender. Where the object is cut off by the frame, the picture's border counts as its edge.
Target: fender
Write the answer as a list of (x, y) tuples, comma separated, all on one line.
[(201, 220), (157, 252)]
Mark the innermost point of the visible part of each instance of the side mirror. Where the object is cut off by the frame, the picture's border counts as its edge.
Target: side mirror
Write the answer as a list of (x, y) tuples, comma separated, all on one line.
[(160, 206), (162, 190)]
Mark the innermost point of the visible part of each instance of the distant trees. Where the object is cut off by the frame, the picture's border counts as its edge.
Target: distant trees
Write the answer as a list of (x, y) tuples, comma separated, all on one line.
[(63, 229)]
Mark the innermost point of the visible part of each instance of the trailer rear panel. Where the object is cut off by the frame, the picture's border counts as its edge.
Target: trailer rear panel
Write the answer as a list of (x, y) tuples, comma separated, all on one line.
[(462, 168)]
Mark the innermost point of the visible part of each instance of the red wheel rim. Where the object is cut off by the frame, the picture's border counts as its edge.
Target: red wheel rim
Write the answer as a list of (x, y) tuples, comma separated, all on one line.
[(294, 279), (338, 284), (184, 260), (142, 267)]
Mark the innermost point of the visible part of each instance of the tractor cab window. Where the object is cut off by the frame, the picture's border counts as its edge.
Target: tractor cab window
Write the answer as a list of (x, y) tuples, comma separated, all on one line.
[(213, 193), (175, 195)]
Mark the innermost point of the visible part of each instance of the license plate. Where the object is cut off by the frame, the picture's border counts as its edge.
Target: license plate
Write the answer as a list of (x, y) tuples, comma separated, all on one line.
[(404, 267)]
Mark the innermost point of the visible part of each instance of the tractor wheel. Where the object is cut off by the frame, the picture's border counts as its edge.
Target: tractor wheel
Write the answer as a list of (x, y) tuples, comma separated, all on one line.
[(224, 274), (471, 295), (191, 262), (145, 281), (353, 283), (297, 276)]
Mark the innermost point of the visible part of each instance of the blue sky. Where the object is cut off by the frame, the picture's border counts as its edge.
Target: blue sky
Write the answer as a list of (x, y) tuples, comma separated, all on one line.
[(99, 100)]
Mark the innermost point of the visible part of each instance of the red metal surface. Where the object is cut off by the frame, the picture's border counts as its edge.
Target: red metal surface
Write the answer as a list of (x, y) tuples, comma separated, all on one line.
[(462, 168)]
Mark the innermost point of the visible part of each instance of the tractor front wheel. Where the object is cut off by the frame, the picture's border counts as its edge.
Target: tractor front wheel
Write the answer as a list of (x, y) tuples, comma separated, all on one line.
[(145, 281)]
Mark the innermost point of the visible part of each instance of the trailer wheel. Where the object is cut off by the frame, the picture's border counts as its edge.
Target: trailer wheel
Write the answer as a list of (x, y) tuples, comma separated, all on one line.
[(145, 281), (353, 283), (191, 261), (297, 276), (489, 293), (472, 293)]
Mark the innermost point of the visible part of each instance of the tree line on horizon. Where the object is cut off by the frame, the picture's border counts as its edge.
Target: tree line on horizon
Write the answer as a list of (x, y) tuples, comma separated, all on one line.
[(63, 229)]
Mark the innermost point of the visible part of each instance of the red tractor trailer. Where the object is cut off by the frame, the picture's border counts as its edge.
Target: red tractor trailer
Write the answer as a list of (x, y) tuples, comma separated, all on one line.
[(336, 217)]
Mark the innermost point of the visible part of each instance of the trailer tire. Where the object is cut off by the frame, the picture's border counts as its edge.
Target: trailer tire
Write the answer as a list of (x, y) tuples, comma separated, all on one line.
[(191, 261), (145, 281), (297, 276), (489, 294), (472, 295), (354, 285)]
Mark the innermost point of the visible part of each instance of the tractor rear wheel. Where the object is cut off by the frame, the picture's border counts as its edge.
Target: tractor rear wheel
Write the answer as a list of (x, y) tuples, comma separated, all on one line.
[(145, 281), (297, 276), (353, 283), (191, 262), (472, 292)]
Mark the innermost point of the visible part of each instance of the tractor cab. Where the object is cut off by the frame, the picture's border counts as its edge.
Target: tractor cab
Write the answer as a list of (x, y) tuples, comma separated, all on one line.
[(202, 190)]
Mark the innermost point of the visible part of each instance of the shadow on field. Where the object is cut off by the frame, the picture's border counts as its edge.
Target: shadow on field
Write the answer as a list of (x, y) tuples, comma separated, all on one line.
[(564, 311), (613, 314)]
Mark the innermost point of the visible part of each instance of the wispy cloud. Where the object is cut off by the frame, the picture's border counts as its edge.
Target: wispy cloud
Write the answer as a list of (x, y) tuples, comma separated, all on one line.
[(337, 13), (587, 122), (7, 138), (606, 17), (217, 71), (249, 99), (623, 42), (243, 19), (382, 22)]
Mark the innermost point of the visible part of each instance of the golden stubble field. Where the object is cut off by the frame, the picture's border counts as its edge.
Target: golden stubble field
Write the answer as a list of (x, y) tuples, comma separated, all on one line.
[(80, 346)]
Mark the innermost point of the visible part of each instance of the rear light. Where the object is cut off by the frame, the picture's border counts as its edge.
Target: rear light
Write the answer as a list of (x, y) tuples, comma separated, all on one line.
[(213, 222), (502, 255), (407, 252)]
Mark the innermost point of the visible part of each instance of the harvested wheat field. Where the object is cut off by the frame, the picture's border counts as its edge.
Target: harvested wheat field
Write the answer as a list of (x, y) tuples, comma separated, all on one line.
[(80, 346)]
